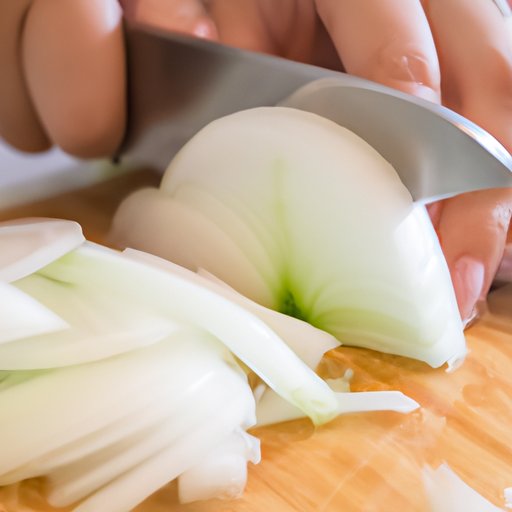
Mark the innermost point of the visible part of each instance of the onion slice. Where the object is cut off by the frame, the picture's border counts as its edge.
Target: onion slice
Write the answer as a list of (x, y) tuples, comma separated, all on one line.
[(101, 324), (30, 244), (271, 408), (22, 316), (447, 492), (180, 296)]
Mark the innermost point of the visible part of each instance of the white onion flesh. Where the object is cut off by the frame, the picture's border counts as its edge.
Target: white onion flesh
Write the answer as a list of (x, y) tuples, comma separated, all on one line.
[(171, 293), (88, 441), (30, 244), (132, 487), (53, 395), (22, 316), (507, 494), (271, 408), (303, 216), (447, 492), (196, 235), (306, 341), (101, 325), (131, 386), (223, 473)]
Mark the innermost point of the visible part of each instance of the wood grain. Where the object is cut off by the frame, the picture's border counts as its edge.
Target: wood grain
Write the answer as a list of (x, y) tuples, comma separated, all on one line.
[(368, 462), (92, 207)]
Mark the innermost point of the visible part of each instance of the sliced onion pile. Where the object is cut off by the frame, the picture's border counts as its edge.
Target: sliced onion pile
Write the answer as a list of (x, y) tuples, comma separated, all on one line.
[(120, 372)]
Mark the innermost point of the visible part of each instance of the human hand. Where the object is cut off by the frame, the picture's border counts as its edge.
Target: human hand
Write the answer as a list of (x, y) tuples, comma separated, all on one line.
[(63, 75)]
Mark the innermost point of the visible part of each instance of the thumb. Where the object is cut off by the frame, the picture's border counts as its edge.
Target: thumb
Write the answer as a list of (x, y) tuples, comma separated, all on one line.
[(473, 231)]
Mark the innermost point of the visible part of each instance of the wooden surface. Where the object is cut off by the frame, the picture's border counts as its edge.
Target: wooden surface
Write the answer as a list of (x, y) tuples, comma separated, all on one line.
[(361, 462)]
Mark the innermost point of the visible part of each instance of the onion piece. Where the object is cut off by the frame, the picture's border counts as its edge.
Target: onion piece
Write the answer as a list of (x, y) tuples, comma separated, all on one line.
[(219, 389), (507, 495), (96, 435), (22, 316), (132, 487), (271, 408), (447, 492), (124, 418), (330, 231), (251, 340), (223, 472), (307, 342), (102, 325), (149, 206), (30, 244), (156, 410), (53, 395)]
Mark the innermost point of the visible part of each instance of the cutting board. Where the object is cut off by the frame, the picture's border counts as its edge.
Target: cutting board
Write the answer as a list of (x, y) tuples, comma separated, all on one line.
[(371, 462)]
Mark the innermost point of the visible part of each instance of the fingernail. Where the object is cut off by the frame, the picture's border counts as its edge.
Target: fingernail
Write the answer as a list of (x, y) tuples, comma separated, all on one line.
[(410, 71), (468, 280), (478, 311)]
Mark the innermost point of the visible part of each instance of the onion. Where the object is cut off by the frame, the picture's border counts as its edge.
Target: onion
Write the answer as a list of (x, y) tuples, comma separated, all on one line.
[(302, 216)]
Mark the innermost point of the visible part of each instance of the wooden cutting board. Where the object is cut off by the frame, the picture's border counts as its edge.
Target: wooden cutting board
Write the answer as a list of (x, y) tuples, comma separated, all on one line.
[(368, 462)]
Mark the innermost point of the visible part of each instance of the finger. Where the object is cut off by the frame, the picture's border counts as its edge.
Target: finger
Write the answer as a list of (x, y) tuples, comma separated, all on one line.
[(289, 28), (187, 16), (19, 123), (473, 230), (476, 66), (73, 59), (387, 41), (476, 62)]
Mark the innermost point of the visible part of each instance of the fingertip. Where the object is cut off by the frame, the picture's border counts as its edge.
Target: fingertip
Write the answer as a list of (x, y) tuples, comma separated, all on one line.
[(388, 42), (468, 276), (415, 89), (473, 230)]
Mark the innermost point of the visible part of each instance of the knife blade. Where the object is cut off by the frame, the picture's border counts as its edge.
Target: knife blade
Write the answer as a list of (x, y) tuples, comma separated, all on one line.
[(178, 84)]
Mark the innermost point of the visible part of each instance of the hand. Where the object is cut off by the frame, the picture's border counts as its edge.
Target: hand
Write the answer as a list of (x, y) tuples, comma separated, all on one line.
[(63, 75), (473, 229), (63, 70)]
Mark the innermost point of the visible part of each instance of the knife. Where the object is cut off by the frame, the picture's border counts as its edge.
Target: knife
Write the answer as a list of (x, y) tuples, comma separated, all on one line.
[(178, 84)]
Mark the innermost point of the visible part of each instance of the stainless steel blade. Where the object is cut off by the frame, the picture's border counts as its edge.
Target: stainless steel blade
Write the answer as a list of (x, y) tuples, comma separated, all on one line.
[(436, 152), (179, 84)]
